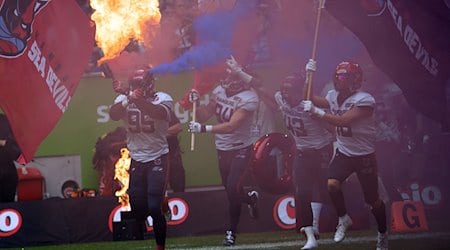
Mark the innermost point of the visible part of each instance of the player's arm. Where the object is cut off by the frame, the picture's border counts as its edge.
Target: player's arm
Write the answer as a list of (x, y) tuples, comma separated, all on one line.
[(354, 114), (267, 98), (205, 112), (118, 110), (157, 111), (320, 101), (236, 120)]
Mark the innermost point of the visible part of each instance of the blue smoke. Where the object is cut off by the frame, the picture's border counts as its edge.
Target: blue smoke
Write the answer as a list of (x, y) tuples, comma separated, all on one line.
[(214, 35)]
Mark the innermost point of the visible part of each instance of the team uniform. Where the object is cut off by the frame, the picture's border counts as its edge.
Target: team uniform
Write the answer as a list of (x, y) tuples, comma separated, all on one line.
[(314, 149), (234, 149), (147, 143), (355, 150)]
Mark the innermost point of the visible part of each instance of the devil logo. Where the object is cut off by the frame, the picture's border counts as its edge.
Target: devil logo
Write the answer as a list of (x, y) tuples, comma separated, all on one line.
[(16, 20)]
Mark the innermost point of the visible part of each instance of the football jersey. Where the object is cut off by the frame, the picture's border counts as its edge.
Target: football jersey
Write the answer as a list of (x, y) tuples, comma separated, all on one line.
[(225, 107), (358, 138), (308, 133), (146, 136)]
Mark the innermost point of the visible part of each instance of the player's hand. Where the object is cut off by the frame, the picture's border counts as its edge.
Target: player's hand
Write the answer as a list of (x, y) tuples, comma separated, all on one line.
[(119, 87), (233, 65), (308, 106), (195, 127), (194, 96), (136, 94), (311, 65)]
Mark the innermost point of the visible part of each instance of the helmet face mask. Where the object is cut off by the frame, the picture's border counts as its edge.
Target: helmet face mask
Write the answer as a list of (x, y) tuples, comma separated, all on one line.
[(233, 84), (347, 77), (291, 89), (142, 79)]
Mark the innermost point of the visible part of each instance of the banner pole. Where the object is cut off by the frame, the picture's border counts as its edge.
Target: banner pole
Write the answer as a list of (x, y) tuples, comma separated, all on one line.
[(310, 74)]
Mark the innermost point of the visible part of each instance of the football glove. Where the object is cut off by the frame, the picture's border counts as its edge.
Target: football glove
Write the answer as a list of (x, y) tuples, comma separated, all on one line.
[(311, 65), (308, 106), (196, 127), (236, 69), (119, 87), (194, 96)]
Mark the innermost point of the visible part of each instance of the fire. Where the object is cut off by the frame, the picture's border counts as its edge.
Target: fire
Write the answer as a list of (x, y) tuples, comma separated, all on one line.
[(119, 22), (121, 174)]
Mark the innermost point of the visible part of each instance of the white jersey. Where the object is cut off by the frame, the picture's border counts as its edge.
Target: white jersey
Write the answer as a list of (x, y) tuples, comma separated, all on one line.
[(225, 107), (146, 136), (308, 133), (359, 138)]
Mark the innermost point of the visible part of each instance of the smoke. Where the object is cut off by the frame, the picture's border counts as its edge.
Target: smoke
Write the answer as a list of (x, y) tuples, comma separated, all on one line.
[(215, 33)]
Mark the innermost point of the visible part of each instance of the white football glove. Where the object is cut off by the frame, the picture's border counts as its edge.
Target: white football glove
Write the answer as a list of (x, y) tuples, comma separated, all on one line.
[(236, 69), (308, 106), (234, 66), (311, 65), (194, 96), (196, 127)]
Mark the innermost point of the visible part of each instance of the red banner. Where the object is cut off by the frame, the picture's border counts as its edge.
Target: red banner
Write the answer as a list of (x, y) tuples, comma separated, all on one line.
[(43, 52)]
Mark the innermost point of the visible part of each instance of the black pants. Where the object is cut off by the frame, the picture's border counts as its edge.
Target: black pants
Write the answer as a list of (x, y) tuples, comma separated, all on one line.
[(8, 181), (309, 172), (233, 166), (147, 189)]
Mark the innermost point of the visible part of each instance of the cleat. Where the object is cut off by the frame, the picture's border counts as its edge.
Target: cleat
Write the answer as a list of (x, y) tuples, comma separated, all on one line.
[(311, 241), (230, 238), (344, 223), (382, 241), (253, 205)]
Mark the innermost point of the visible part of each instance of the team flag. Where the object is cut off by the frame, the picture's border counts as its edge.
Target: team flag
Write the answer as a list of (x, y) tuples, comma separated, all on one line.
[(410, 42), (44, 48)]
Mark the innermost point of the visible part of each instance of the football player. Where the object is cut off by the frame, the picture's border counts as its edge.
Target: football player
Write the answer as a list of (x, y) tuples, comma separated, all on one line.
[(146, 114), (233, 103), (314, 149), (352, 112)]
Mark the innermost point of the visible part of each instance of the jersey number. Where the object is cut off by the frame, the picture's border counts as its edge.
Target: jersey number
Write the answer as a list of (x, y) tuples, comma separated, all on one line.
[(140, 122), (295, 126), (223, 113)]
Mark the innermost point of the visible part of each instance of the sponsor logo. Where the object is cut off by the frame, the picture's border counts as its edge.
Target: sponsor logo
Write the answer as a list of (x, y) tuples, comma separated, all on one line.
[(284, 212), (10, 222)]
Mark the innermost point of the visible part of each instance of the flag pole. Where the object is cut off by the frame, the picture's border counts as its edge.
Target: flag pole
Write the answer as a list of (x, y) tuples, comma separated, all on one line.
[(310, 74), (194, 112)]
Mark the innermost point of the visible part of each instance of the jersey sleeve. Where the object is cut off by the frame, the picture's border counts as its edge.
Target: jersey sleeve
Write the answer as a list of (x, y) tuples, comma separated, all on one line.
[(366, 100), (120, 98), (278, 98), (249, 101)]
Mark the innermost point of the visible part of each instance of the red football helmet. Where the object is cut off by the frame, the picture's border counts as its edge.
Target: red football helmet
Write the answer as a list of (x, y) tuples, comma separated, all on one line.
[(348, 76), (142, 79), (233, 84), (272, 159)]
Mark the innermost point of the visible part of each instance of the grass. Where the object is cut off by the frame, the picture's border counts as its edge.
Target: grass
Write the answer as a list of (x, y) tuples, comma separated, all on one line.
[(270, 240)]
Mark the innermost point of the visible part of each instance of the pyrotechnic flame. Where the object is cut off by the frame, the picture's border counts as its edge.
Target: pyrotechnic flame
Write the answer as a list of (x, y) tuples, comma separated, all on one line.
[(121, 174), (118, 22)]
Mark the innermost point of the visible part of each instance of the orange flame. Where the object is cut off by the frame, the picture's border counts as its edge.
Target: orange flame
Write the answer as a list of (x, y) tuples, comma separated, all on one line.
[(121, 174), (118, 22)]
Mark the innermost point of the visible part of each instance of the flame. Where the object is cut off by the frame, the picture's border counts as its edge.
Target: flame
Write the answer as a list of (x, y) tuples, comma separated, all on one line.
[(118, 22), (121, 174)]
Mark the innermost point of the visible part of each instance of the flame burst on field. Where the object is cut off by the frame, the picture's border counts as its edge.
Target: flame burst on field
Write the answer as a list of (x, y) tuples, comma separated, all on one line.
[(119, 22), (121, 174)]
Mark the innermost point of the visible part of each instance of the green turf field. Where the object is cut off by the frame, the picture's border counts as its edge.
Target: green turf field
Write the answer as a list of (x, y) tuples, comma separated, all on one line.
[(274, 240)]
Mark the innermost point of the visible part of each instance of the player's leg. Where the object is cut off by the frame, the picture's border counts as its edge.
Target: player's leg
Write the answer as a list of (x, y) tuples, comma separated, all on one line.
[(304, 176), (340, 170), (157, 177), (224, 160), (320, 194), (368, 178)]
